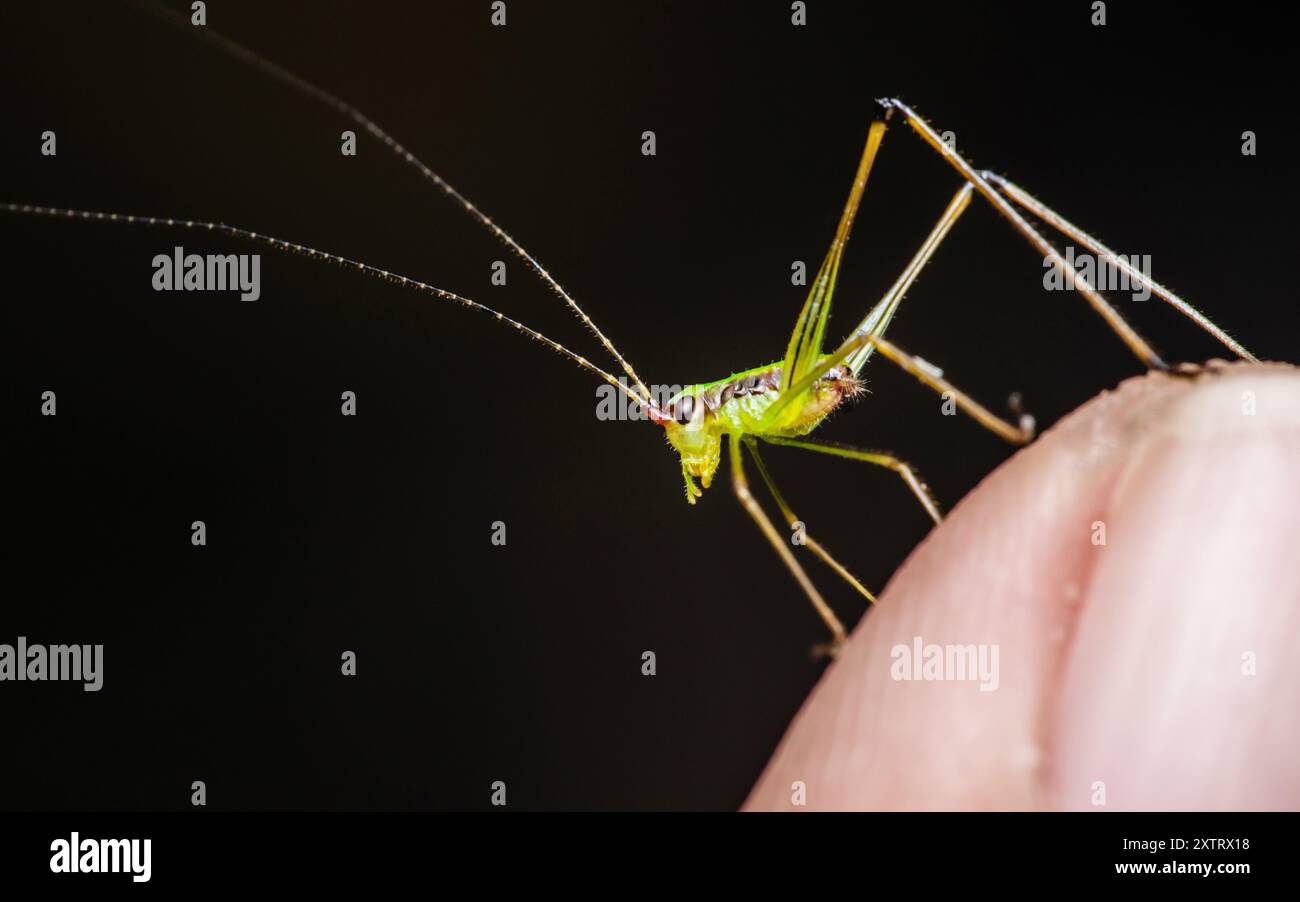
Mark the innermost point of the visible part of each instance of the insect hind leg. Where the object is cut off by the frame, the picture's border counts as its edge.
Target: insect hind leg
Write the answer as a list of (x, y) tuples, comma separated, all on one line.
[(1095, 247), (1135, 342)]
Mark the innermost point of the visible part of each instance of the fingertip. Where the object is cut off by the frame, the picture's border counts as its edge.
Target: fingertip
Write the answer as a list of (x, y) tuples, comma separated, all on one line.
[(1015, 568)]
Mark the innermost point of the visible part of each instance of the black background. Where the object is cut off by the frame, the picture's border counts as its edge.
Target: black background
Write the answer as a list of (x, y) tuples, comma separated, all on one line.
[(479, 663)]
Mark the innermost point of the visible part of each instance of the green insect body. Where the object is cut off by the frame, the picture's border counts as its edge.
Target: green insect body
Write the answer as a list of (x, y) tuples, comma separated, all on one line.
[(787, 399), (698, 417), (778, 403)]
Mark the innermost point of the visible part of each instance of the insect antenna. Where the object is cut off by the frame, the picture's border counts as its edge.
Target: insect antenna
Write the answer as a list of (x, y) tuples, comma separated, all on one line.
[(320, 95), (294, 248)]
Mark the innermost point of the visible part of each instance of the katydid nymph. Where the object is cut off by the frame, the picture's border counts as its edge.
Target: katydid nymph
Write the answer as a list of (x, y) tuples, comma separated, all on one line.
[(716, 424)]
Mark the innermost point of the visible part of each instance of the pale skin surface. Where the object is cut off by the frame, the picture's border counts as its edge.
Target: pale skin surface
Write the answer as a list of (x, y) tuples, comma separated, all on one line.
[(1120, 663)]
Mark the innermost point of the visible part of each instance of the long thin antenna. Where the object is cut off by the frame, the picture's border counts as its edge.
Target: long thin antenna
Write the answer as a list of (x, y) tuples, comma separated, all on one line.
[(292, 80), (292, 247)]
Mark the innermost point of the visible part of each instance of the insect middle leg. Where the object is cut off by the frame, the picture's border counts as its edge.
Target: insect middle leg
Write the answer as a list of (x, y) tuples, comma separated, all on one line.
[(791, 518), (879, 458), (746, 498)]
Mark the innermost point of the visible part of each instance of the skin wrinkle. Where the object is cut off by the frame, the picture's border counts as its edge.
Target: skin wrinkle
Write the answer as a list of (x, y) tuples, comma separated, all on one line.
[(1094, 680)]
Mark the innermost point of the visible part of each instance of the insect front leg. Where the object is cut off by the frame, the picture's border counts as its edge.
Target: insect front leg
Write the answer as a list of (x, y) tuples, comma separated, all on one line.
[(740, 484), (791, 518)]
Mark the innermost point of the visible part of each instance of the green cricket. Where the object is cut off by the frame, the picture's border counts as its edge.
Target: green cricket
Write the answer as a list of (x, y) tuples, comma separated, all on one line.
[(778, 403)]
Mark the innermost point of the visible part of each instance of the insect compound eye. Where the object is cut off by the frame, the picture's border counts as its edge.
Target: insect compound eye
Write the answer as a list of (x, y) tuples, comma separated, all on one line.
[(685, 409)]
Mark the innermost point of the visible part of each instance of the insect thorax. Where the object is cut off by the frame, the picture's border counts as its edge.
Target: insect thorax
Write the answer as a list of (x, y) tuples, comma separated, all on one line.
[(699, 416)]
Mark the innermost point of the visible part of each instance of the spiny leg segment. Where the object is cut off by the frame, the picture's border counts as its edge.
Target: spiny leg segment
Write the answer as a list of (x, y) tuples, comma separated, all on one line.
[(879, 458), (878, 318), (740, 484), (928, 374), (1136, 343), (1099, 250), (791, 518)]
